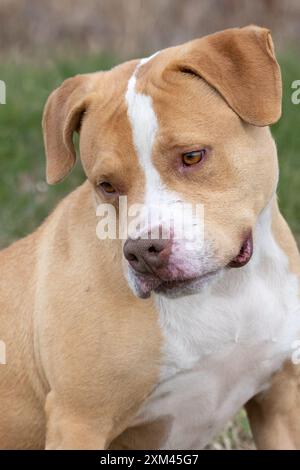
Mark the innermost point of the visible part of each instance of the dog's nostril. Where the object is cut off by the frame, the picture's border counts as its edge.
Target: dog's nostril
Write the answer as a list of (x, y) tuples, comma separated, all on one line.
[(132, 257), (152, 249)]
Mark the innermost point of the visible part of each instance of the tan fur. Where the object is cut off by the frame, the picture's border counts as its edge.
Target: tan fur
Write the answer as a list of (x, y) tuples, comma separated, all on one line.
[(83, 352), (82, 355)]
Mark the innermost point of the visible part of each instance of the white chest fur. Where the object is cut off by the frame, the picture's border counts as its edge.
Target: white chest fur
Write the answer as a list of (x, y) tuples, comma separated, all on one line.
[(222, 345)]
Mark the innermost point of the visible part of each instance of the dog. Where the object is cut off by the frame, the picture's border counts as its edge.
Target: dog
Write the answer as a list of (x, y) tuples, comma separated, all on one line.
[(152, 343)]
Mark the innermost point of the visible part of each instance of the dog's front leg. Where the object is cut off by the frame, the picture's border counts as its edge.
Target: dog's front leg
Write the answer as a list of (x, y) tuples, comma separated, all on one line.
[(100, 363), (274, 415), (71, 428)]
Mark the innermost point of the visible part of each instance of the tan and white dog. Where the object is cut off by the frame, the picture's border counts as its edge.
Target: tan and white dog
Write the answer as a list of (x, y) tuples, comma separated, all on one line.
[(147, 344)]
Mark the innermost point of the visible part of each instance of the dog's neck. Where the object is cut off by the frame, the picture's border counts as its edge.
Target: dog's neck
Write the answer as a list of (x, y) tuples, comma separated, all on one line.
[(228, 310)]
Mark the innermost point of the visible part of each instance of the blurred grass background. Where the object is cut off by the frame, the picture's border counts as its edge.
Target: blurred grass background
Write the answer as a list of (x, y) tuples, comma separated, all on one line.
[(42, 43), (25, 197)]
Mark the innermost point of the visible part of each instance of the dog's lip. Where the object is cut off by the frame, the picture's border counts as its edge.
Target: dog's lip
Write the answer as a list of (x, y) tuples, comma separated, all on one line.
[(151, 283), (168, 285), (245, 253)]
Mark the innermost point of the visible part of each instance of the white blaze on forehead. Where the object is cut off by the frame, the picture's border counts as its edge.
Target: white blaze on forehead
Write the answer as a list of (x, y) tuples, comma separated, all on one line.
[(144, 126)]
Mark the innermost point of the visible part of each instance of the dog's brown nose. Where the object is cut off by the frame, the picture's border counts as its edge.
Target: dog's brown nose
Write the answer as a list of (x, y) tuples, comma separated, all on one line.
[(146, 256)]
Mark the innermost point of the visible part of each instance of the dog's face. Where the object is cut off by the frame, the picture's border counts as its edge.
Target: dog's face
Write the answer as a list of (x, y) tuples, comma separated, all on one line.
[(184, 129)]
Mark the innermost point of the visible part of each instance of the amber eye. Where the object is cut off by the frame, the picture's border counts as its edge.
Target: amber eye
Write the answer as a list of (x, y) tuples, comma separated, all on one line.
[(107, 187), (192, 158)]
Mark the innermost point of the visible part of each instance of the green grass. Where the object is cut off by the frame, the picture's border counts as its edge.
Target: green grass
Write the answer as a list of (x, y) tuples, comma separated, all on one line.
[(287, 136), (26, 199)]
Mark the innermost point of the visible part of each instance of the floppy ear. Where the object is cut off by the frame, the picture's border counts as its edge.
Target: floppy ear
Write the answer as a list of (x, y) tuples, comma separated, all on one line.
[(62, 116), (240, 64)]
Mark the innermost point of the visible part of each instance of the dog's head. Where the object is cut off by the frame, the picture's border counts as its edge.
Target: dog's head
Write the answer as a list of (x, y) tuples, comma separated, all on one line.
[(186, 126)]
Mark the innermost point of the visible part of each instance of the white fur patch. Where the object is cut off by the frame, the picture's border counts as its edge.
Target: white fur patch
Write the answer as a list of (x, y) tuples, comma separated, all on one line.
[(144, 126), (222, 345)]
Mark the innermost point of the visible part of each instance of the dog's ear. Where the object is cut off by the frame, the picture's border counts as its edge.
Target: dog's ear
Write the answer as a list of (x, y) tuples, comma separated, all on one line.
[(62, 115), (240, 64)]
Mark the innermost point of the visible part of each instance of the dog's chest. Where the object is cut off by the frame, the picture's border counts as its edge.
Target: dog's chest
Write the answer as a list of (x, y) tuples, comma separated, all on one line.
[(220, 349)]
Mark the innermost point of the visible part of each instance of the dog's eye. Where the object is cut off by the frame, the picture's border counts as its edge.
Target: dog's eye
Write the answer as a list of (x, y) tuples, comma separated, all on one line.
[(107, 188), (192, 158)]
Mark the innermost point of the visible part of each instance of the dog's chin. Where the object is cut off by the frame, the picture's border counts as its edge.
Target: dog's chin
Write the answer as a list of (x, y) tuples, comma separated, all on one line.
[(143, 286), (174, 289)]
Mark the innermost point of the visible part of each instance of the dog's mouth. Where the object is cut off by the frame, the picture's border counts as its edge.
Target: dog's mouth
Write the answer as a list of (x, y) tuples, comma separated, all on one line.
[(147, 283), (171, 288), (186, 286)]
